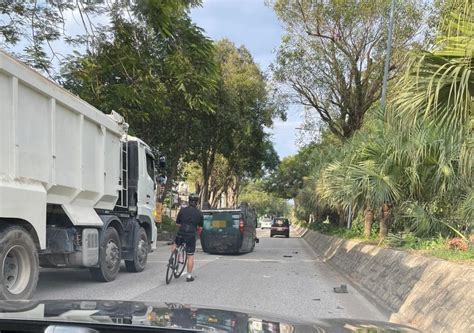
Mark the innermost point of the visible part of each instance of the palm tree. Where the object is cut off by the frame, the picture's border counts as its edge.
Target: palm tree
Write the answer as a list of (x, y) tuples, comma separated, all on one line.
[(433, 111), (417, 158), (367, 177)]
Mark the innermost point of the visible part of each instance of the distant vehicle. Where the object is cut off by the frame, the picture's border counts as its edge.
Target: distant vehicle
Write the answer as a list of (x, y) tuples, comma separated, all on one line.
[(280, 226), (266, 223), (229, 230)]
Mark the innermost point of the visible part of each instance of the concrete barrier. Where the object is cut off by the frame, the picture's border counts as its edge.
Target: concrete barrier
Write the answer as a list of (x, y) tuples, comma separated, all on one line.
[(165, 236), (299, 231), (431, 294)]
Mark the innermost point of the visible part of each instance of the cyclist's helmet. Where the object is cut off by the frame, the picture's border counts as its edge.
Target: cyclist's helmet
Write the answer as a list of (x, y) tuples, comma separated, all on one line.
[(193, 199)]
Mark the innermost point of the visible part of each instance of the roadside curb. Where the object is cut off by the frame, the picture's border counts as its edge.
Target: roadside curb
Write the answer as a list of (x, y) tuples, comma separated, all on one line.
[(165, 236), (301, 232), (431, 294)]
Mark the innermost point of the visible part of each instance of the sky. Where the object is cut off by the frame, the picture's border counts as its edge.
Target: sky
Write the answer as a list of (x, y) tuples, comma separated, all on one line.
[(251, 23)]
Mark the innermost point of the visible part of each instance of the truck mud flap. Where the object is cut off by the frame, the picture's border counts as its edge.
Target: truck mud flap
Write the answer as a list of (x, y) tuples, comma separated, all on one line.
[(83, 216)]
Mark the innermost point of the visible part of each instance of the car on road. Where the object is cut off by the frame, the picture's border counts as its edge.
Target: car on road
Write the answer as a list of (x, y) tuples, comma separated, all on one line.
[(229, 230), (266, 222), (280, 226)]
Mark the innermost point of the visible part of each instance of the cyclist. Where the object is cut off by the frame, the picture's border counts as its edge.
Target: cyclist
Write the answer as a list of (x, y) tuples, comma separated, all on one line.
[(189, 220)]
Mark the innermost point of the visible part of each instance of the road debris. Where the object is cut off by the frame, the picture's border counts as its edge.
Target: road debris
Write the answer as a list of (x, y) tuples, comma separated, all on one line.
[(341, 290)]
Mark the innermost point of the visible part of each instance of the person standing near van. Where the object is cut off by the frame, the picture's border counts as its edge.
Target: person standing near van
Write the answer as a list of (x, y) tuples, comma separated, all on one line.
[(189, 220)]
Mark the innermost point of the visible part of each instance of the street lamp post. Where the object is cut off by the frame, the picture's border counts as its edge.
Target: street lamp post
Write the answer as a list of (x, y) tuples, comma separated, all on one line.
[(383, 101)]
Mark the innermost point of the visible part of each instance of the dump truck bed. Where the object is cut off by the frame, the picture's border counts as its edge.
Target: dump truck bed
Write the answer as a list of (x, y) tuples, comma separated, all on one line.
[(54, 148)]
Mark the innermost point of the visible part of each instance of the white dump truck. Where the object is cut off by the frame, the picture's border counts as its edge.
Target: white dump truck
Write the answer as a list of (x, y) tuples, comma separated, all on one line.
[(75, 190)]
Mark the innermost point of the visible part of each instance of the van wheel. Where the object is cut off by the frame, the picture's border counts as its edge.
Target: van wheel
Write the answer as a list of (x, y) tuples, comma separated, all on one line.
[(140, 252), (19, 263), (110, 255)]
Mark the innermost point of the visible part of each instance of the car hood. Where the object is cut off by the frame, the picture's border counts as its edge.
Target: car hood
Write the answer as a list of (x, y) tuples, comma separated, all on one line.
[(175, 316)]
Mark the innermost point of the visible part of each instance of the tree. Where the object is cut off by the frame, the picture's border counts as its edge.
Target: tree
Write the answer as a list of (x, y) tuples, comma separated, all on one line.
[(161, 81), (288, 178), (333, 53), (236, 130), (35, 25), (365, 176), (417, 156), (263, 202), (435, 106)]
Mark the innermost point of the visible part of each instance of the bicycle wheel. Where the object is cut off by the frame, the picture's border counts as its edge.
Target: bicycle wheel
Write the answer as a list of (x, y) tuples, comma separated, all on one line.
[(172, 262), (182, 259)]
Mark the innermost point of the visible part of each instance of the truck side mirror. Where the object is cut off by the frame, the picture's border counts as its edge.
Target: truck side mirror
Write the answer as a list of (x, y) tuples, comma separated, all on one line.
[(162, 163), (161, 179)]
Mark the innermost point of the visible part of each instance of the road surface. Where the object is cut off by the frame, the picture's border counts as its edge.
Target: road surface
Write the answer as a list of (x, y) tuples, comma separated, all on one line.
[(281, 277)]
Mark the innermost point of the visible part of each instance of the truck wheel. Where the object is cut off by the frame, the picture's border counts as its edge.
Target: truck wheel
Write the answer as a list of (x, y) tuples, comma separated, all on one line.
[(110, 255), (19, 264), (140, 252)]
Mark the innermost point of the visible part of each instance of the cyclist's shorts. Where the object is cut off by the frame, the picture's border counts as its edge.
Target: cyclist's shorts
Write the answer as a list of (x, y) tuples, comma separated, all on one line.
[(189, 239)]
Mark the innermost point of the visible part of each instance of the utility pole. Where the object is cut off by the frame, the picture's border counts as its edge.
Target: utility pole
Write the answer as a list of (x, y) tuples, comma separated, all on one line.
[(383, 101), (349, 218)]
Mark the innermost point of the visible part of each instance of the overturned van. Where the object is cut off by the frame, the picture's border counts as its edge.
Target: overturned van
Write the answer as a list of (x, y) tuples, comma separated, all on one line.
[(229, 230)]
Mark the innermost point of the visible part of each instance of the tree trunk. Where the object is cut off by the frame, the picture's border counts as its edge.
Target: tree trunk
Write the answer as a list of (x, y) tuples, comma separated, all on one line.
[(385, 220), (205, 187), (234, 188), (368, 221), (238, 182), (207, 165), (174, 165), (169, 180), (342, 218)]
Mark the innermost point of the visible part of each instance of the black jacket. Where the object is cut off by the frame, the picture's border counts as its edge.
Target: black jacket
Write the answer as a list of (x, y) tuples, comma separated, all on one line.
[(189, 218)]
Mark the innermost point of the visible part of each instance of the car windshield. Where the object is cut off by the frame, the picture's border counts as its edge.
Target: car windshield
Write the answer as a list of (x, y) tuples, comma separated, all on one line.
[(192, 153)]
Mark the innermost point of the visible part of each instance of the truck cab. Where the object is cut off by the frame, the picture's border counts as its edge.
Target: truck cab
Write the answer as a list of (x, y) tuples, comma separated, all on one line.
[(140, 184)]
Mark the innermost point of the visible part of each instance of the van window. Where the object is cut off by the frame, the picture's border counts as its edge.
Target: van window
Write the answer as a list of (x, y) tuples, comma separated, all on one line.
[(213, 220), (150, 166)]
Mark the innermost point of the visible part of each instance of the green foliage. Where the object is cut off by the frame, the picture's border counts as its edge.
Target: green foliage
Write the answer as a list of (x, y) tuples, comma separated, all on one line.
[(168, 224), (435, 246), (162, 84), (36, 25), (356, 232), (416, 157), (453, 255), (333, 53), (263, 202), (289, 177), (235, 132)]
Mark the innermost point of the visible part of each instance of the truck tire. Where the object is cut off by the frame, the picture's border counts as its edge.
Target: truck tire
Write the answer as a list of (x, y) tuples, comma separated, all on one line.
[(140, 252), (110, 256), (19, 264)]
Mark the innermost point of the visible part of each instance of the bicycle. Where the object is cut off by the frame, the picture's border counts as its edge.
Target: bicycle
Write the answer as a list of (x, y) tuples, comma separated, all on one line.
[(177, 262)]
